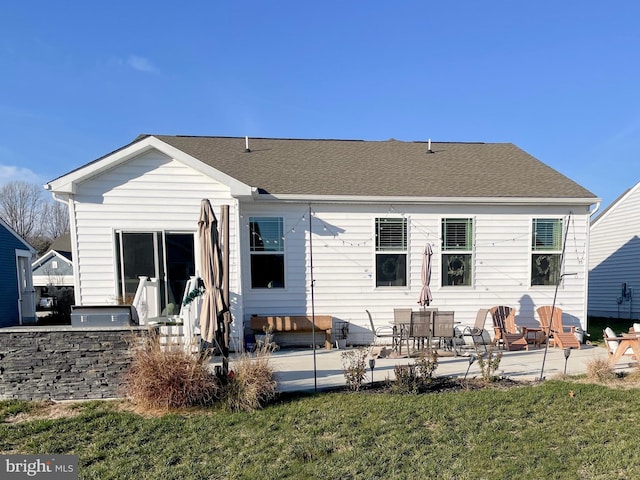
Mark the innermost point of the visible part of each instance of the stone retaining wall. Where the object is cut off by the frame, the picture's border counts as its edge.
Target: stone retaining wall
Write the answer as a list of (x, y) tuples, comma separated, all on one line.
[(65, 363)]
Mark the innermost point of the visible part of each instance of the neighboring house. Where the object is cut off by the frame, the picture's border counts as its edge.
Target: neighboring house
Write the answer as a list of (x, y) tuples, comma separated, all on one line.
[(494, 216), (17, 295), (614, 259), (53, 272)]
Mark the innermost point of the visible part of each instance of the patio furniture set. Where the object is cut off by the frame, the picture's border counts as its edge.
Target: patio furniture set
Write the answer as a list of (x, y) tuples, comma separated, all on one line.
[(430, 327)]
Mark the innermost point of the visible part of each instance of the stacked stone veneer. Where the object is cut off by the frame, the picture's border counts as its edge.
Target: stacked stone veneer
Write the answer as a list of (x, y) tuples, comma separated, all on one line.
[(65, 363)]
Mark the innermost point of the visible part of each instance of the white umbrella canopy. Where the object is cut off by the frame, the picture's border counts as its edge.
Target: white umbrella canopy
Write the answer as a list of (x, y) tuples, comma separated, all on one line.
[(213, 304), (425, 294)]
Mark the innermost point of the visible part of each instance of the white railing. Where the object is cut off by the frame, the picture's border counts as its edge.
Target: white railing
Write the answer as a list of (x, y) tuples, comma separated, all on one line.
[(190, 317)]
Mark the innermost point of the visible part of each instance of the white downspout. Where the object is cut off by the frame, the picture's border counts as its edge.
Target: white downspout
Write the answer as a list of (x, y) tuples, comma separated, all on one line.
[(74, 241)]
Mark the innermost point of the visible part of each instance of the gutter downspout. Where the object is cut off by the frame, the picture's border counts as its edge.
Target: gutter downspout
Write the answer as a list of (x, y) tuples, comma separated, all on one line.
[(74, 241)]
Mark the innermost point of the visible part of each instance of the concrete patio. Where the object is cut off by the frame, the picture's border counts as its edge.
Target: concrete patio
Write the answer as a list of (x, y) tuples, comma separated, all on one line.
[(295, 367)]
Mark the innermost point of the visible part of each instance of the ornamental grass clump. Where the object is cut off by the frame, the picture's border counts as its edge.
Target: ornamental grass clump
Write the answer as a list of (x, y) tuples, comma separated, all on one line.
[(166, 379), (599, 370), (251, 384)]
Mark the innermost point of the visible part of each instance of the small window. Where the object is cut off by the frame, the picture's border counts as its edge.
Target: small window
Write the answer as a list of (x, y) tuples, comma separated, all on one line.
[(546, 251), (457, 251), (391, 252), (267, 252), (54, 264)]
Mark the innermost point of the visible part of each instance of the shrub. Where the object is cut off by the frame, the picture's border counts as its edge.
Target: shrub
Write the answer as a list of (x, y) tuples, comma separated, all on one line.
[(414, 377), (354, 367), (252, 383), (489, 364), (426, 364), (168, 379)]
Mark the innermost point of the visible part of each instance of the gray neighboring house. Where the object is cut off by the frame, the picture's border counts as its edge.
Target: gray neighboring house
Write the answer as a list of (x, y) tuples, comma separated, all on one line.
[(494, 216)]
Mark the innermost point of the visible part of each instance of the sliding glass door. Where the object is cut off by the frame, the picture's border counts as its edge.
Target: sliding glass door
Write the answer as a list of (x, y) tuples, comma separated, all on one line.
[(167, 256)]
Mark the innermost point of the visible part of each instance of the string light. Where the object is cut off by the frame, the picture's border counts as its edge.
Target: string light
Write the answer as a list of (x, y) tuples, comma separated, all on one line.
[(416, 226)]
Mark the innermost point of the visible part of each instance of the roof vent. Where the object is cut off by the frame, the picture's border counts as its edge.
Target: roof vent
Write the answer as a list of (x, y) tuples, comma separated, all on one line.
[(246, 145), (429, 147)]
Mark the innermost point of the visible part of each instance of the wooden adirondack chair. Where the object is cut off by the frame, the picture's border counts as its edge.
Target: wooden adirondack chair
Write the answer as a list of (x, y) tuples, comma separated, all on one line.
[(561, 336), (505, 330)]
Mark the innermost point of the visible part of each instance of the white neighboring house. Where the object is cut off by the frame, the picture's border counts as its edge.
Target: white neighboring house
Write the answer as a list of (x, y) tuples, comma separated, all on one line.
[(614, 259), (362, 211), (53, 273)]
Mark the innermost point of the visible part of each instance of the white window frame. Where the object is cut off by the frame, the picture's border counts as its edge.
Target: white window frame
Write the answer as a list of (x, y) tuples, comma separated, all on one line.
[(557, 250), (281, 251), (402, 249), (467, 249)]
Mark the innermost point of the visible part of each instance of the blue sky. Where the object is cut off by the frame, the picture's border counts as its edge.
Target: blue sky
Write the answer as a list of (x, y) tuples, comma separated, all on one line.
[(560, 79)]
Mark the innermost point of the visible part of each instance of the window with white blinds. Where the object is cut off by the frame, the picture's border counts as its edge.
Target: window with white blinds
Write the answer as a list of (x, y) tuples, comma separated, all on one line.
[(546, 251), (457, 251), (391, 252)]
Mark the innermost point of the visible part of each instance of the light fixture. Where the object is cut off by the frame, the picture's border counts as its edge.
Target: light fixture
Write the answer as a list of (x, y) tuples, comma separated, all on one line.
[(372, 365), (472, 358), (567, 352)]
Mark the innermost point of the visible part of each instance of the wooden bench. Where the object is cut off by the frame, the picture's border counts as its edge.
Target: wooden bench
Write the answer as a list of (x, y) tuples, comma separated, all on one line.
[(294, 324)]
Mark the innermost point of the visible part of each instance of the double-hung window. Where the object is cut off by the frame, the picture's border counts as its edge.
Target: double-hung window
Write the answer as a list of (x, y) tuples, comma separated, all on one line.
[(391, 252), (457, 251), (546, 251), (266, 245)]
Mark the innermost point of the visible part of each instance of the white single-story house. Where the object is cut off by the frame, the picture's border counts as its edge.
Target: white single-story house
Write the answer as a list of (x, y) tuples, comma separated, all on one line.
[(17, 295), (360, 212), (614, 259), (53, 272)]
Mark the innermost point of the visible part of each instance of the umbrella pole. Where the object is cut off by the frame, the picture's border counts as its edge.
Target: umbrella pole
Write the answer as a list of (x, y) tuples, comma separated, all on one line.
[(224, 214)]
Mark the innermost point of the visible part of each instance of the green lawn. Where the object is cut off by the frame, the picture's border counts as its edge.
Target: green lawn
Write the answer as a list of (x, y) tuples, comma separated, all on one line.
[(532, 432), (596, 325)]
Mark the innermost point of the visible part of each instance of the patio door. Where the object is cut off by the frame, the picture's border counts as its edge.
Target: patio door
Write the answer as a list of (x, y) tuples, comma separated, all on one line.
[(167, 256)]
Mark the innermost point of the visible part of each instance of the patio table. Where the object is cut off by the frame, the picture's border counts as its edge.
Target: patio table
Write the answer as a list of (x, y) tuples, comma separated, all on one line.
[(537, 337)]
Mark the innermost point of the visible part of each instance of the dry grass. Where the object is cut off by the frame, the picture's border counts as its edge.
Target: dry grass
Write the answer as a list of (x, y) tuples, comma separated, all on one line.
[(169, 379), (251, 385), (599, 370)]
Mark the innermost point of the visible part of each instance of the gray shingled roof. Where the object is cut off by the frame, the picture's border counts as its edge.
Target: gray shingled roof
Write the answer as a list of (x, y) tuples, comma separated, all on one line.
[(380, 168)]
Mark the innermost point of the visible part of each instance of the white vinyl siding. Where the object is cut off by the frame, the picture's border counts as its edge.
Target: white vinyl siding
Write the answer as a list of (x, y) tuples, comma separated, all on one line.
[(614, 259), (151, 192), (344, 266)]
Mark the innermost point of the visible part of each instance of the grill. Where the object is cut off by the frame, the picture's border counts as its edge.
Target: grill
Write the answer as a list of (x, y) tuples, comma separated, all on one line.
[(104, 316)]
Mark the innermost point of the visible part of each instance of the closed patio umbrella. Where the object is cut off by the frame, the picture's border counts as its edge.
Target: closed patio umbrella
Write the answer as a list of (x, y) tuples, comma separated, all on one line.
[(425, 294), (213, 304)]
